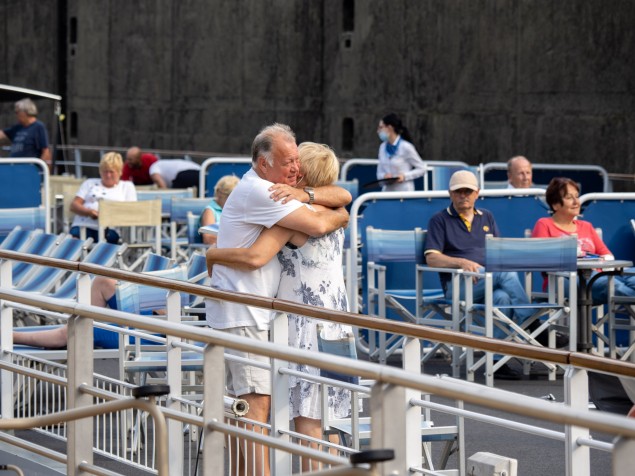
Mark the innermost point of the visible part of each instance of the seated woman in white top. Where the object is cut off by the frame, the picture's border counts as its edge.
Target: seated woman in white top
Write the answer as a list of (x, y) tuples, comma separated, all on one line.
[(85, 205)]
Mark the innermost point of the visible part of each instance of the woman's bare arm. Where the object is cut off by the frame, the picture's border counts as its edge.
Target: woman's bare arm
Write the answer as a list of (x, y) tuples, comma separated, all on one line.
[(207, 218), (78, 208)]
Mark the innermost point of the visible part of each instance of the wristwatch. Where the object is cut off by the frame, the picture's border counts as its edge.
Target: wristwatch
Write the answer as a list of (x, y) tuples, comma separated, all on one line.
[(309, 191)]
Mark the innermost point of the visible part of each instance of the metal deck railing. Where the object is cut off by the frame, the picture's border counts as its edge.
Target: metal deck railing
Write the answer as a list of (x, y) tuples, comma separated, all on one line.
[(391, 388)]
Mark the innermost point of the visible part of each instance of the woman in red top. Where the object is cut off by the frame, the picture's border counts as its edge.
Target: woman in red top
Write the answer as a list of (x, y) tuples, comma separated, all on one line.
[(563, 197)]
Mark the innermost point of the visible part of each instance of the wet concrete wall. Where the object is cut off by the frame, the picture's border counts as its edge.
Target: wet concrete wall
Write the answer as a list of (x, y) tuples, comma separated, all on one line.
[(474, 80), (29, 52)]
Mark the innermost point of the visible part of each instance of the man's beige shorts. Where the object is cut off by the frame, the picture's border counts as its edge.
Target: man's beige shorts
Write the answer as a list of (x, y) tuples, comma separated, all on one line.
[(241, 378)]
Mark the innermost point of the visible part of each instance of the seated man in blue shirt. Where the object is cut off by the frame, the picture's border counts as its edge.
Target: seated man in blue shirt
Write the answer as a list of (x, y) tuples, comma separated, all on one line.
[(456, 239)]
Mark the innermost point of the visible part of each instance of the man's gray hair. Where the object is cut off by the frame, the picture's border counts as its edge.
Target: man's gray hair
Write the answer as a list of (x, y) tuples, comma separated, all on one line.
[(27, 106), (263, 143)]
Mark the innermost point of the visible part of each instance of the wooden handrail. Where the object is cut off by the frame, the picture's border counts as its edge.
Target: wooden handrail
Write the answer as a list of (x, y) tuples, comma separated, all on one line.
[(562, 357)]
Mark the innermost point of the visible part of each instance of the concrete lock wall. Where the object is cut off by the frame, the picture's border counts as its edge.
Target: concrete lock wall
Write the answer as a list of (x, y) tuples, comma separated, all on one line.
[(30, 55), (475, 81)]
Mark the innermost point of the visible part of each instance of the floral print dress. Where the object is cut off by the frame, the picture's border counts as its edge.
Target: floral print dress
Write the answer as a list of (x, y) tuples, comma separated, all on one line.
[(312, 274)]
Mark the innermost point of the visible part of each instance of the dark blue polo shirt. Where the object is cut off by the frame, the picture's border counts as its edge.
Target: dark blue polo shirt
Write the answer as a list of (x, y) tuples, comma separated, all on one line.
[(448, 234), (27, 141)]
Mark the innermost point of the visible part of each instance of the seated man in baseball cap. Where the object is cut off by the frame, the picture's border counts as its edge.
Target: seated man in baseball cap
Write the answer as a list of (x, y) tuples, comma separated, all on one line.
[(456, 239)]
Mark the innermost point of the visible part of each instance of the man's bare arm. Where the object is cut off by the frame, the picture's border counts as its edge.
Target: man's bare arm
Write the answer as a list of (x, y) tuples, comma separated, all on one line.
[(158, 180), (330, 196), (46, 156), (315, 223)]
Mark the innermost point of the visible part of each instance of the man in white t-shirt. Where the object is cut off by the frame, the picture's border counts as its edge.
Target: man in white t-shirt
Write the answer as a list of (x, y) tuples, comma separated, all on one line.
[(248, 210), (175, 173)]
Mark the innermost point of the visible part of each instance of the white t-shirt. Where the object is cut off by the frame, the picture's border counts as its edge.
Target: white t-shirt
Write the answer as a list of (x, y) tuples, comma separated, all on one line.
[(169, 169), (92, 191), (247, 211)]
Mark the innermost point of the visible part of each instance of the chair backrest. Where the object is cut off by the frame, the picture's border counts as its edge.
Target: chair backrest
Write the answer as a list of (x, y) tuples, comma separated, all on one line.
[(27, 218), (66, 186), (182, 206), (21, 183), (144, 213), (138, 298), (441, 174), (590, 178), (104, 253), (68, 192), (17, 239), (193, 236), (166, 196), (344, 347), (351, 185), (42, 244), (43, 278), (155, 262), (214, 168), (131, 214), (397, 246), (196, 267), (531, 254), (613, 213)]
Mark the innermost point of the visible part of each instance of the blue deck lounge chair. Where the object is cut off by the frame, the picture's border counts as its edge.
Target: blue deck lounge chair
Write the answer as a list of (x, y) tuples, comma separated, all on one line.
[(41, 244), (43, 278), (18, 239), (103, 253)]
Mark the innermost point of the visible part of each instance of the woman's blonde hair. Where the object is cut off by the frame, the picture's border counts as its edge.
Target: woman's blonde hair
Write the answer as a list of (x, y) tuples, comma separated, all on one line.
[(225, 185), (318, 164), (111, 160)]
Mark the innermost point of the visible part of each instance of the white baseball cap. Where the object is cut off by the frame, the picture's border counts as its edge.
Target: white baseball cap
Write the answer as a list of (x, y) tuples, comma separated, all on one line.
[(463, 179)]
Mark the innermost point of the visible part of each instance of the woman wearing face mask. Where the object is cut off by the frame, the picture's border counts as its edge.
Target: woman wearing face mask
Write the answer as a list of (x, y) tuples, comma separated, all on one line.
[(398, 158)]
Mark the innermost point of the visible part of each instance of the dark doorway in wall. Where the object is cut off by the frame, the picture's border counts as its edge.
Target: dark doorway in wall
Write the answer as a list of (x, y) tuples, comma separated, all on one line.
[(348, 134)]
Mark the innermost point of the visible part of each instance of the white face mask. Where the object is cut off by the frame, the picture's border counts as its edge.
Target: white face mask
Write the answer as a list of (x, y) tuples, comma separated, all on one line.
[(383, 136)]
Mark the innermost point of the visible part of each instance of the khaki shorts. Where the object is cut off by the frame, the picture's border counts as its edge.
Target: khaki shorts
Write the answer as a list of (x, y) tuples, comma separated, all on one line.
[(241, 378)]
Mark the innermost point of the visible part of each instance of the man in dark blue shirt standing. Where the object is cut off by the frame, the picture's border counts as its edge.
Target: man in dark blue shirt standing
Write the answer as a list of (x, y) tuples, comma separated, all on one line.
[(28, 138)]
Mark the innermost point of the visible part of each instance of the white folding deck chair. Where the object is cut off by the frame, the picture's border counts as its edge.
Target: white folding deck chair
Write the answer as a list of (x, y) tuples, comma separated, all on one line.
[(179, 223), (555, 256), (386, 248), (41, 244), (138, 299), (133, 215), (103, 254), (33, 218), (43, 278), (621, 317), (18, 239)]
